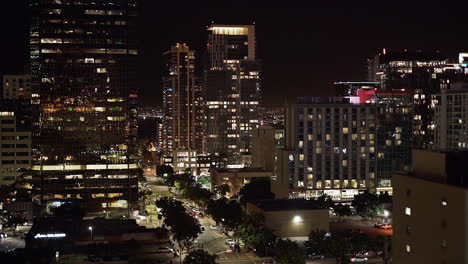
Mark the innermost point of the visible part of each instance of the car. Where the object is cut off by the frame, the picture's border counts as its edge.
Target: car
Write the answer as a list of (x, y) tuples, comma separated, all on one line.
[(366, 254), (378, 225), (3, 235), (229, 241), (165, 250), (213, 227), (316, 256), (358, 259), (386, 226)]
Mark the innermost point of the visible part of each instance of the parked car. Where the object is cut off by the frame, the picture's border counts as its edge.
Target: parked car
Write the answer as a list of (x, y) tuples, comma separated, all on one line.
[(378, 225), (316, 256), (366, 254), (358, 259), (3, 235), (229, 241), (165, 250), (213, 227), (386, 226)]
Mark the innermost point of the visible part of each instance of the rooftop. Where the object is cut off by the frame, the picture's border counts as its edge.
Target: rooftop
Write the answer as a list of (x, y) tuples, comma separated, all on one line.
[(440, 166), (287, 204)]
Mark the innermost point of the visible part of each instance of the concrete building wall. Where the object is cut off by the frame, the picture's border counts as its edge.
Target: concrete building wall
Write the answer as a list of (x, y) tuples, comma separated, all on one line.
[(283, 224), (263, 147), (431, 226), (293, 223), (430, 210)]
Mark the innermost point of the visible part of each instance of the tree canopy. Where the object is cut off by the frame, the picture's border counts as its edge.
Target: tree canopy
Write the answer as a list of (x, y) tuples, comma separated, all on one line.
[(256, 190), (288, 252), (366, 204), (200, 257)]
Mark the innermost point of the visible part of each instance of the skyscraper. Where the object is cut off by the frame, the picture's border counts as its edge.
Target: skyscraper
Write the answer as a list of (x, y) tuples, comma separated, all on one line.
[(83, 54), (182, 99), (232, 90)]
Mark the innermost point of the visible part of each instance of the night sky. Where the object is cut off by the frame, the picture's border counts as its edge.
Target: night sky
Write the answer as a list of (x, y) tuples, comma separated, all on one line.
[(303, 48)]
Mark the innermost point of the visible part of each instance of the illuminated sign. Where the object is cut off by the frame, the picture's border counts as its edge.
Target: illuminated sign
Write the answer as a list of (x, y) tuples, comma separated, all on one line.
[(55, 235)]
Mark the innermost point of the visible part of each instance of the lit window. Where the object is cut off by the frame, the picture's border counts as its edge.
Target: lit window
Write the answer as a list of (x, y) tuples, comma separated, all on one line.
[(408, 211), (101, 70), (444, 203), (345, 130), (301, 156), (408, 248)]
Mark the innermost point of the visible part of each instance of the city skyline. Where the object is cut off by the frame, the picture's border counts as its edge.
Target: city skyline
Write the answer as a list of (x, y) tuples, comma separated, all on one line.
[(324, 30)]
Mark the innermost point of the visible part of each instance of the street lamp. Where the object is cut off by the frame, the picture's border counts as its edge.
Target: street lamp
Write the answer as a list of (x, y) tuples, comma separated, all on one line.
[(91, 229), (386, 215)]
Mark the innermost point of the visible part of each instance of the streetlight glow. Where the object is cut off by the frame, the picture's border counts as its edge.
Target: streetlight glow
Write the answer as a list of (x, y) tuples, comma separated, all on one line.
[(386, 213), (297, 219)]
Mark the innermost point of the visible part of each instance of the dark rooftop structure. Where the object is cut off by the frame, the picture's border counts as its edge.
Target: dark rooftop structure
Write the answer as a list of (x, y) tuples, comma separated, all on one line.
[(441, 166), (287, 204)]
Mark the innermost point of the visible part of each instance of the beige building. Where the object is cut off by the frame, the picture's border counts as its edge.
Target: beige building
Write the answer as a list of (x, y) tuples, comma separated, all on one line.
[(291, 218), (15, 149), (268, 153), (429, 210), (236, 178), (16, 86)]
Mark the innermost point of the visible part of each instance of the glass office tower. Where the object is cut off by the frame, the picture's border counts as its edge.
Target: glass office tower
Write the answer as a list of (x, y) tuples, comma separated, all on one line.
[(83, 55), (232, 92)]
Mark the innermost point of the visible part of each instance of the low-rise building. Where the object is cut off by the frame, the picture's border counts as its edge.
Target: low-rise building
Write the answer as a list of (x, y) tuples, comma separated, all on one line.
[(429, 209), (77, 232), (236, 178), (291, 218)]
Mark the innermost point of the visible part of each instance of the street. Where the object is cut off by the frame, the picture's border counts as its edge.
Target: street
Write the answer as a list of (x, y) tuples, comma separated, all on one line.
[(11, 243)]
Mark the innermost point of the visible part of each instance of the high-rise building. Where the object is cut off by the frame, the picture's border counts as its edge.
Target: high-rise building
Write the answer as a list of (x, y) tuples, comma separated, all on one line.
[(182, 102), (346, 144), (451, 118), (15, 146), (232, 90), (429, 205), (83, 54), (17, 87), (423, 73)]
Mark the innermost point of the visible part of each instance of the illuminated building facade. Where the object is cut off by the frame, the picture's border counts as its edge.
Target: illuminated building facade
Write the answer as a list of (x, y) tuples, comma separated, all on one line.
[(232, 90), (17, 87), (451, 119), (83, 54), (15, 145), (424, 74), (182, 102), (344, 145)]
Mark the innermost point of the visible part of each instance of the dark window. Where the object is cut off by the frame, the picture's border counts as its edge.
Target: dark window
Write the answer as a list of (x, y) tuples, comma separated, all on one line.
[(21, 145)]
